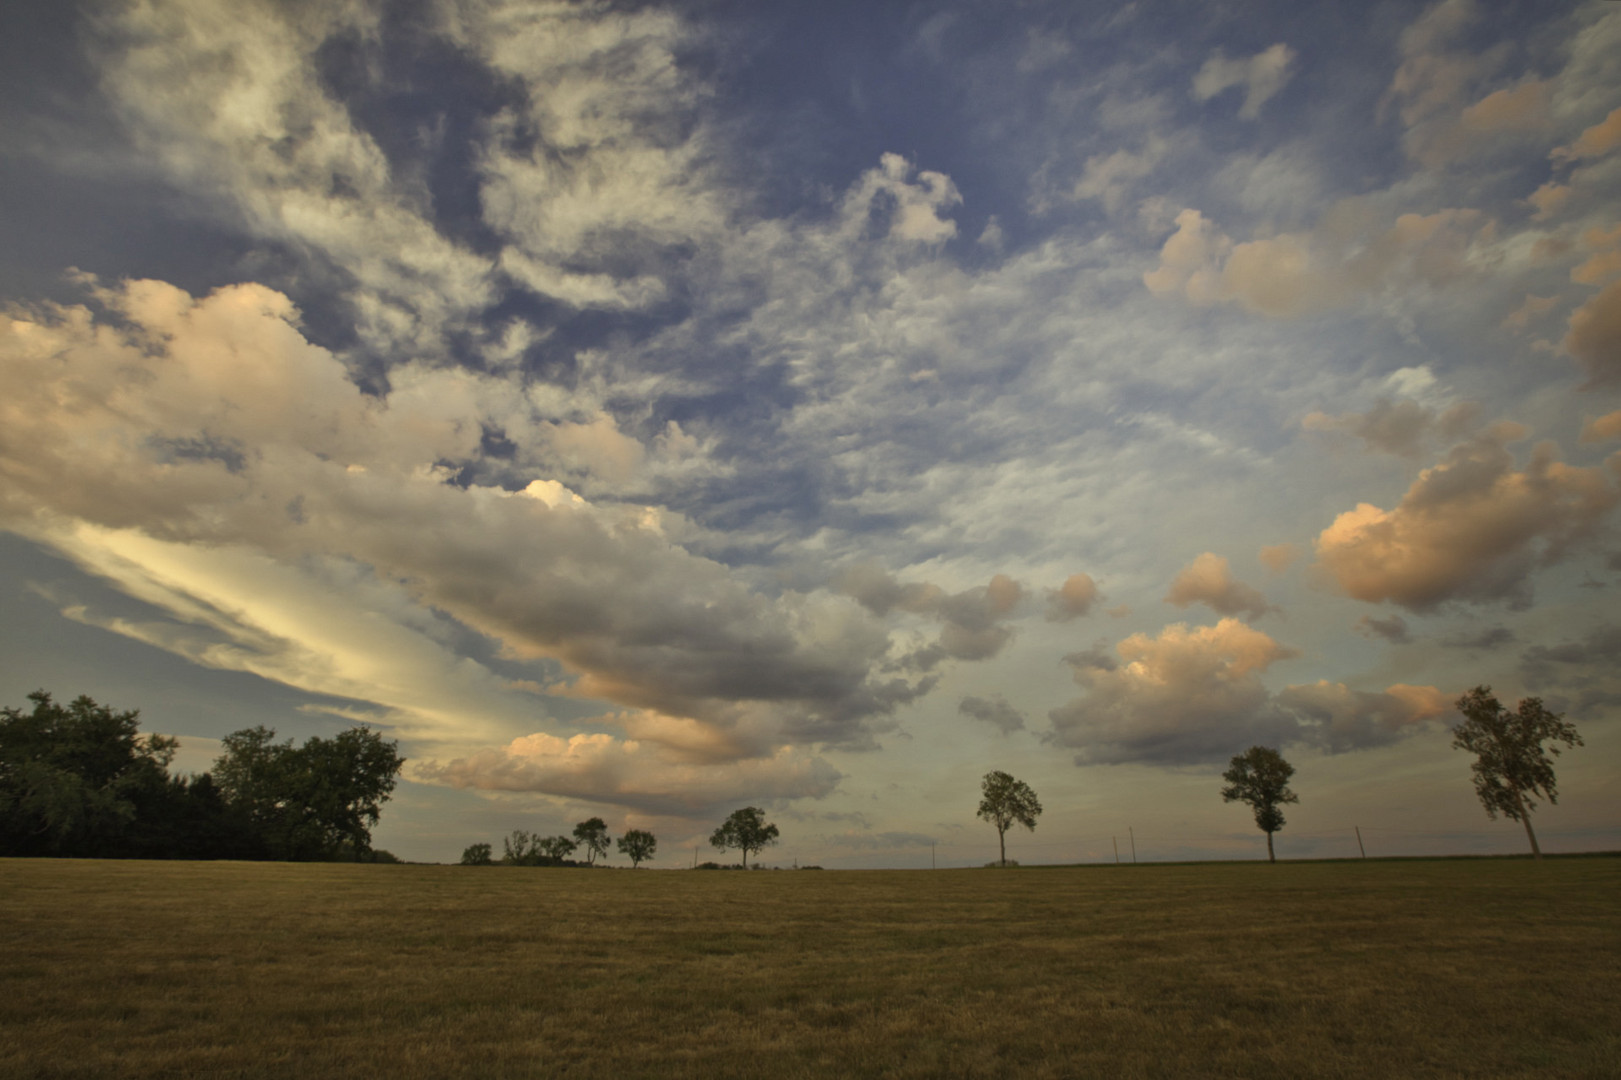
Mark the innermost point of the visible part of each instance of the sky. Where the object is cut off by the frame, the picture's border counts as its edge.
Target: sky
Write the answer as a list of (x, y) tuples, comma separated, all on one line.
[(643, 410)]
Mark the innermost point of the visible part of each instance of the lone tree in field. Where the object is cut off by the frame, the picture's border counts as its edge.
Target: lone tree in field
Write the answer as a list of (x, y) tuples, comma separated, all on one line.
[(746, 830), (1510, 763), (1007, 801), (592, 835), (638, 846), (1259, 776)]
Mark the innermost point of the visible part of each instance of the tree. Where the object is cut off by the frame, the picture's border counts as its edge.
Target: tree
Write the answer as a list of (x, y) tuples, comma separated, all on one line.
[(1007, 801), (1510, 762), (309, 802), (555, 847), (1259, 776), (520, 848), (592, 835), (638, 846), (747, 830), (477, 855), (73, 777)]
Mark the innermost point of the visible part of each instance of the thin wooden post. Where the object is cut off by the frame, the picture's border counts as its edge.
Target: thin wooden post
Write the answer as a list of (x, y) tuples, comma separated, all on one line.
[(1359, 846)]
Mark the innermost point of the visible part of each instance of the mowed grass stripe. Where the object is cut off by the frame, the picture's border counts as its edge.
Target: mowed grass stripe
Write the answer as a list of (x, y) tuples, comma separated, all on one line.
[(1490, 968)]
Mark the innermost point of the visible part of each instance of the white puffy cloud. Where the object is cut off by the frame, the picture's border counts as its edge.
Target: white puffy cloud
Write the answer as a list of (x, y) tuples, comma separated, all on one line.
[(1209, 580), (1073, 599), (1470, 528), (1186, 696), (1261, 77)]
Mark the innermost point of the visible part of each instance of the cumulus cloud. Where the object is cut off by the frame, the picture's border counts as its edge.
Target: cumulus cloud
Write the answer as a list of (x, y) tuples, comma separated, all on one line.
[(994, 711), (1187, 696), (1534, 308), (971, 622), (1471, 528), (213, 422), (1399, 426), (1279, 557), (1604, 428), (1346, 719), (1394, 629), (1073, 599), (1349, 255), (1593, 338), (627, 772), (1261, 76), (1596, 141), (1208, 580)]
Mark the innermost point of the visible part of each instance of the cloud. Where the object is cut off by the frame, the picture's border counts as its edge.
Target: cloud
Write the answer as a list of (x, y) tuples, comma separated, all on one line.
[(1109, 177), (1207, 580), (1579, 674), (1279, 557), (1399, 426), (213, 422), (1347, 719), (1349, 255), (1605, 261), (1493, 637), (1394, 629), (1593, 338), (1604, 428), (630, 773), (1261, 76), (1596, 141), (1183, 697), (971, 622), (994, 711), (1471, 528), (1534, 308), (1073, 599)]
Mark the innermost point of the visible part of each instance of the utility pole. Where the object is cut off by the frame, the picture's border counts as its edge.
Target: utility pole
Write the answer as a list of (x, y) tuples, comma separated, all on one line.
[(1133, 845), (931, 855), (1116, 840), (1359, 846)]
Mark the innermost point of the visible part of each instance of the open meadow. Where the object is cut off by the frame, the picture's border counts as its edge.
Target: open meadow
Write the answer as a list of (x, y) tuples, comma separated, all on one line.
[(1482, 968)]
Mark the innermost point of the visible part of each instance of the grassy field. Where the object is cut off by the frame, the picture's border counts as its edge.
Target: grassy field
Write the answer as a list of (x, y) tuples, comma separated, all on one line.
[(1496, 968)]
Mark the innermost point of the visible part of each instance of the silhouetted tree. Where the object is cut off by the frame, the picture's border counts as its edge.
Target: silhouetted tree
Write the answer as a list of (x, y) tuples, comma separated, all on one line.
[(1006, 801), (520, 848), (73, 777), (1259, 776), (638, 846), (1510, 763), (555, 847), (592, 834), (477, 855), (746, 830)]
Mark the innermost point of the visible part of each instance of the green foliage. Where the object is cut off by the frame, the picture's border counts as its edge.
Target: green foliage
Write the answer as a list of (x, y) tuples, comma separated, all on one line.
[(477, 855), (592, 834), (556, 848), (313, 801), (1005, 802), (638, 846), (1510, 763), (746, 830), (73, 777), (1260, 777)]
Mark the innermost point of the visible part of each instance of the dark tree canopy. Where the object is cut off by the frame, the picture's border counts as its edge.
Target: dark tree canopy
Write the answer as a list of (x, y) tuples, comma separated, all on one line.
[(638, 846), (1259, 776), (592, 834), (1005, 802), (746, 830), (1511, 764), (477, 855)]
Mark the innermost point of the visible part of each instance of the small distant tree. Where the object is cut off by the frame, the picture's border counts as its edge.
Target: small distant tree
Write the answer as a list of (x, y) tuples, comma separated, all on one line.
[(592, 834), (1260, 777), (477, 855), (747, 830), (1510, 762), (555, 847), (1006, 801), (519, 848), (638, 846)]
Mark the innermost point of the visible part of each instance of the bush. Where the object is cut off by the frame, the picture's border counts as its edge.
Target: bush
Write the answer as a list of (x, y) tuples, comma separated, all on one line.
[(478, 855)]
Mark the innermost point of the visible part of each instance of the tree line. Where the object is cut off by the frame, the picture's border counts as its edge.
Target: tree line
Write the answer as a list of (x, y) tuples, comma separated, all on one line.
[(746, 831), (1511, 768), (81, 780)]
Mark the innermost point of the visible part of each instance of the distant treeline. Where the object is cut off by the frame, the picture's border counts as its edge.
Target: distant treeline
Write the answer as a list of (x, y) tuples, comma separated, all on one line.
[(81, 780)]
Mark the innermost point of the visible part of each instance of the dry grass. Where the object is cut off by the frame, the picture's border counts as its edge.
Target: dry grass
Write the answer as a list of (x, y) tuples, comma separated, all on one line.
[(1378, 969)]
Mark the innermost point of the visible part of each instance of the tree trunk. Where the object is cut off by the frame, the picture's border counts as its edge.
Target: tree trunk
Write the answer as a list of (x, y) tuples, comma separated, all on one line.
[(1001, 838), (1270, 857), (745, 858), (1525, 818)]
